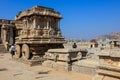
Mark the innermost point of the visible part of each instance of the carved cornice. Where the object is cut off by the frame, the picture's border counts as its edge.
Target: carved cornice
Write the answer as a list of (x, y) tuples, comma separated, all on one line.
[(38, 10)]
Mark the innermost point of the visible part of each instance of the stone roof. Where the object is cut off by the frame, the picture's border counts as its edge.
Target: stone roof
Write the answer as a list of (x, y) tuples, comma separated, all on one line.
[(38, 10), (93, 41)]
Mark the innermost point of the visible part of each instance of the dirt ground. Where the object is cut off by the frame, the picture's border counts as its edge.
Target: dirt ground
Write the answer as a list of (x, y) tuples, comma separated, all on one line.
[(13, 70)]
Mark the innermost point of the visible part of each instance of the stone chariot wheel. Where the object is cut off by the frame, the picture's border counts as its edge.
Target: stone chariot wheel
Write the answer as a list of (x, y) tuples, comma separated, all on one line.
[(79, 55), (25, 52), (18, 53)]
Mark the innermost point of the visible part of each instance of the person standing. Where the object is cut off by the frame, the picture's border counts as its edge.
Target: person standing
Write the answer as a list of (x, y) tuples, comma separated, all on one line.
[(74, 45), (12, 50)]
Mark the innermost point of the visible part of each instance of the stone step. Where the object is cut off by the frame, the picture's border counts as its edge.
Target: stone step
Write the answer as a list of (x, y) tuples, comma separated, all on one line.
[(110, 73)]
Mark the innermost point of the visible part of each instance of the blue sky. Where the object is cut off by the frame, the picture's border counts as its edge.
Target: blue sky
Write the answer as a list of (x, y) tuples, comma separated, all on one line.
[(82, 19)]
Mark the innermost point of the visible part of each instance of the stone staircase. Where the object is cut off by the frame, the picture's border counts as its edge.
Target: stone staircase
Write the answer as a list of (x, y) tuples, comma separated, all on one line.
[(2, 49)]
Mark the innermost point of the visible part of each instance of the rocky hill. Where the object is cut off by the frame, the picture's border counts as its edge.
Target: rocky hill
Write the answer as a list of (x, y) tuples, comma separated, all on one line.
[(113, 35)]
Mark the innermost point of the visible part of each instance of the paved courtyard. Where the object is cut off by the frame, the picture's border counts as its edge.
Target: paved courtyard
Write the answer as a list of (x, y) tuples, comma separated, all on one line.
[(13, 70)]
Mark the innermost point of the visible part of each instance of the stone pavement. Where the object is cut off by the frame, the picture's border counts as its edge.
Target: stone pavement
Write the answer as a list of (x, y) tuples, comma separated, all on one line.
[(13, 70)]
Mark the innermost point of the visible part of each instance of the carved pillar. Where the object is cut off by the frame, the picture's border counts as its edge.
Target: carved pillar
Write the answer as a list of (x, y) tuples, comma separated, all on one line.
[(11, 35), (5, 33), (24, 24), (52, 23), (41, 22), (58, 28), (56, 24), (34, 23), (27, 23), (0, 35), (48, 23)]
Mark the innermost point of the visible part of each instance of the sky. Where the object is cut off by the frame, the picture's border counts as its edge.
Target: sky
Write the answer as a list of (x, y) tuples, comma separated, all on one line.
[(82, 19)]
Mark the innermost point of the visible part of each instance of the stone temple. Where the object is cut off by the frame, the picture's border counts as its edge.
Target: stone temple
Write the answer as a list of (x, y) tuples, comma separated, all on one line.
[(38, 25)]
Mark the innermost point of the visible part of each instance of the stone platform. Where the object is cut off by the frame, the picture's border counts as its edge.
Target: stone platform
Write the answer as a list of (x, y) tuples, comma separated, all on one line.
[(87, 66), (57, 65)]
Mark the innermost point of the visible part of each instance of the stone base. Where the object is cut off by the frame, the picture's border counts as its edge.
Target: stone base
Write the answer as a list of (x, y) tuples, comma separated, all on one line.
[(29, 62), (85, 66), (83, 69), (57, 65), (48, 64)]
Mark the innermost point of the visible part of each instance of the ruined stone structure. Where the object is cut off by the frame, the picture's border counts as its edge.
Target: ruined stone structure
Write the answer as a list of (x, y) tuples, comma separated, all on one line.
[(63, 58), (7, 32), (38, 29), (109, 67)]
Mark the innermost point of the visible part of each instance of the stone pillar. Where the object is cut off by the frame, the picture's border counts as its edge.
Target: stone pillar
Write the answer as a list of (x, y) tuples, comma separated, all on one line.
[(11, 35), (24, 24), (48, 23), (39, 22), (52, 23), (45, 22), (42, 22), (5, 33), (34, 23), (55, 24), (0, 35)]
